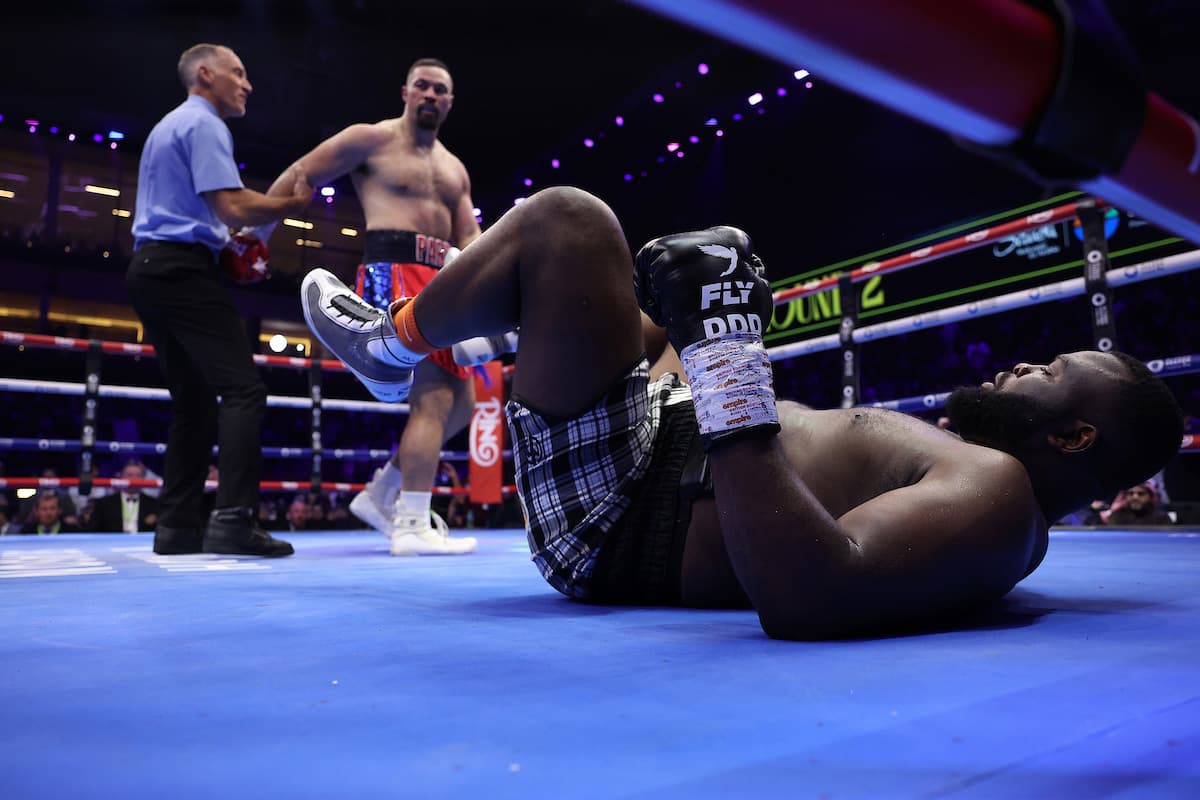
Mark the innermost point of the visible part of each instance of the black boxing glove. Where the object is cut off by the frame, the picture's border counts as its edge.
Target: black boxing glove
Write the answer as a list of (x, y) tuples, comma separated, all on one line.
[(702, 285), (708, 289)]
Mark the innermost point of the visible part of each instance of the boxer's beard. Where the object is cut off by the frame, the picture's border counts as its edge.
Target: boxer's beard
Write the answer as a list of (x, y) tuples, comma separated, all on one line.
[(997, 419), (427, 118)]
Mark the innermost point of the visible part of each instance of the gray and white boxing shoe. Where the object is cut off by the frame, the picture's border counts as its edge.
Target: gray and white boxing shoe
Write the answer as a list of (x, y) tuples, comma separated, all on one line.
[(360, 335)]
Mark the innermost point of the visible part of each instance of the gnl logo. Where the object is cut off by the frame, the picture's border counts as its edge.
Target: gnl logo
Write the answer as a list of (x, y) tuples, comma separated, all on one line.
[(485, 432)]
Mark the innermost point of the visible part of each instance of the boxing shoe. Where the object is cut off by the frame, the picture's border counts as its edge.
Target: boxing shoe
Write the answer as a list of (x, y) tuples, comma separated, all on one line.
[(373, 506), (236, 531), (708, 289), (482, 349), (360, 335), (425, 534)]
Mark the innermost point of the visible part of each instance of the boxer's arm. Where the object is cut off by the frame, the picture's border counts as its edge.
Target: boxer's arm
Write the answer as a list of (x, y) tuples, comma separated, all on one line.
[(240, 208), (328, 161), (465, 227), (963, 532), (334, 157)]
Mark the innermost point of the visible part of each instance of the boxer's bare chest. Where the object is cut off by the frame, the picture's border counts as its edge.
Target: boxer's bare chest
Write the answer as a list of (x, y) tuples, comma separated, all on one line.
[(846, 457), (404, 186)]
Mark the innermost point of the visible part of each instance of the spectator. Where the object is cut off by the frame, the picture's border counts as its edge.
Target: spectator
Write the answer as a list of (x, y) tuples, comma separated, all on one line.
[(48, 517), (299, 515), (1138, 505), (452, 508), (129, 510)]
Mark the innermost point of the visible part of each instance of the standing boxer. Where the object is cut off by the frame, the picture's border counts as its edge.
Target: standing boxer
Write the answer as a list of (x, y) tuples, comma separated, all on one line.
[(416, 196), (189, 195)]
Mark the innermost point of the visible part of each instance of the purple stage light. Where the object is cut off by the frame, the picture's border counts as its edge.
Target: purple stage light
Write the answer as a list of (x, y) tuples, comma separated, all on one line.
[(628, 177), (619, 121), (528, 181), (658, 98), (693, 139), (702, 69), (588, 143), (554, 162)]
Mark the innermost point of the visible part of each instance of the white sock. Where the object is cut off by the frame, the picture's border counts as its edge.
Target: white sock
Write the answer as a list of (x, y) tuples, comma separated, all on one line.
[(416, 502)]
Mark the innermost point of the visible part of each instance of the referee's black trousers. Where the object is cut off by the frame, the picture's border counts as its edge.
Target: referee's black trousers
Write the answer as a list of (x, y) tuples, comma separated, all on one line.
[(204, 353)]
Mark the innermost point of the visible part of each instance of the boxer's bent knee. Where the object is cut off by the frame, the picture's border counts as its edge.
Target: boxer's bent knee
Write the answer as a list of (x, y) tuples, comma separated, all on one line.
[(573, 214)]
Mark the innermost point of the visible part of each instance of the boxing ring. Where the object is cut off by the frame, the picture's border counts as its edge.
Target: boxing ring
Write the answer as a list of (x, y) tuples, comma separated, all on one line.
[(341, 672)]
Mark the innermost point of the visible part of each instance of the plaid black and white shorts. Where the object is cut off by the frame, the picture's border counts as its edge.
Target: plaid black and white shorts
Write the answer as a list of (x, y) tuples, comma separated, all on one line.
[(600, 491)]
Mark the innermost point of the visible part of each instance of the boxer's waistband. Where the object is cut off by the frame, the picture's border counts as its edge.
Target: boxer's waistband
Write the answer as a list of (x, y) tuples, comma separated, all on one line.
[(403, 247)]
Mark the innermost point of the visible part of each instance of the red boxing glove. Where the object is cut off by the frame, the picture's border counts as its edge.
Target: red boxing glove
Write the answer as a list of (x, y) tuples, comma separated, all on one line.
[(245, 259)]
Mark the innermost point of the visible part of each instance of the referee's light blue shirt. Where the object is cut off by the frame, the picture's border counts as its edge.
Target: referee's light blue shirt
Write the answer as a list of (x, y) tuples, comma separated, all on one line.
[(188, 152)]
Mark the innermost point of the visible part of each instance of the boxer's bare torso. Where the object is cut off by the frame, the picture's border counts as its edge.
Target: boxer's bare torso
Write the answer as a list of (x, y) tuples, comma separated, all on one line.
[(951, 501), (405, 185)]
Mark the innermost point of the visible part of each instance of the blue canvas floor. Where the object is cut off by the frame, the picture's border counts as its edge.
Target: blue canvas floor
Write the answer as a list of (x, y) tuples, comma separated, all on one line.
[(344, 673)]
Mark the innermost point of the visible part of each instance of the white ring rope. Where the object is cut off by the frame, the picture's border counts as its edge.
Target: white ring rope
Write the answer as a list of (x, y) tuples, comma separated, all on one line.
[(147, 393), (1134, 273)]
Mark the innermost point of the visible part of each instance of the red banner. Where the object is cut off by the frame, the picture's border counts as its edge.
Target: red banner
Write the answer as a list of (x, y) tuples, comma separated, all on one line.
[(487, 436)]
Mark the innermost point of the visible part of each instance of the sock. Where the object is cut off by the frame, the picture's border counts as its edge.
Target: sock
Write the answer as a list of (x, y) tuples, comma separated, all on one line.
[(407, 331), (416, 502)]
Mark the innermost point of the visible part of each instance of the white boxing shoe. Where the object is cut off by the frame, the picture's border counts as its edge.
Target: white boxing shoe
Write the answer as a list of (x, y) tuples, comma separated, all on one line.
[(415, 534), (371, 506), (360, 335)]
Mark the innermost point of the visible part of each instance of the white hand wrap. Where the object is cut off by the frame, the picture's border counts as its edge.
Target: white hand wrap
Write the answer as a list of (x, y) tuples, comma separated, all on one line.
[(731, 385)]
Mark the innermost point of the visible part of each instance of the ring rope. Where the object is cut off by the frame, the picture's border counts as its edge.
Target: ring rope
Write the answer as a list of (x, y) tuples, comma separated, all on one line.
[(266, 486), (26, 444), (1073, 287), (23, 385), (923, 255)]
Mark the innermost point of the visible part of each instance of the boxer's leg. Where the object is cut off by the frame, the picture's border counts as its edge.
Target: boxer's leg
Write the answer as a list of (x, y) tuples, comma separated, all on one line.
[(558, 267)]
